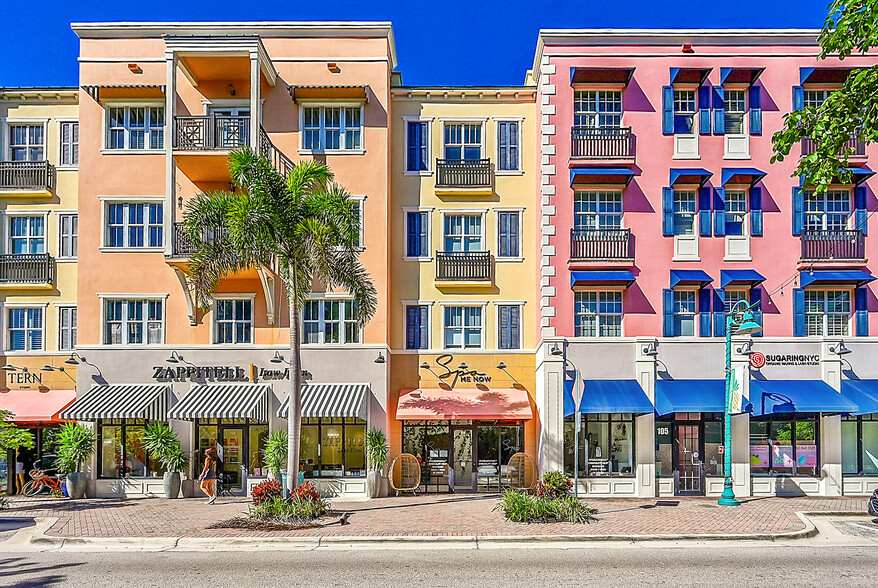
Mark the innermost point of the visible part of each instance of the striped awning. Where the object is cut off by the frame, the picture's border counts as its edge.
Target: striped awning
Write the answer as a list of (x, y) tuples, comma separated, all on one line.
[(224, 401), (131, 401), (330, 400)]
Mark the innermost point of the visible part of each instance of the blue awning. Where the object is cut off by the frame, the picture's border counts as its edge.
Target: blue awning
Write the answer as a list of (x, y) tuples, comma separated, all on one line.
[(861, 174), (689, 396), (789, 396), (601, 75), (690, 277), (689, 176), (601, 175), (824, 75), (742, 175), (858, 277), (599, 278), (740, 75), (863, 393), (689, 75), (606, 396), (750, 277)]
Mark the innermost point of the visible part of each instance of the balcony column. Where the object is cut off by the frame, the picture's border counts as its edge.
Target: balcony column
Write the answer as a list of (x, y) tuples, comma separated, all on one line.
[(255, 100), (170, 167)]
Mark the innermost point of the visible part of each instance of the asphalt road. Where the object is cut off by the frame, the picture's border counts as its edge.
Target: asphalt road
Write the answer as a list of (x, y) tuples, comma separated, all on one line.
[(768, 565)]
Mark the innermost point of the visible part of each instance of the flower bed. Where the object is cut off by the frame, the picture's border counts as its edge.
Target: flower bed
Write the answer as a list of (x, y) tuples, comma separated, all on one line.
[(551, 503)]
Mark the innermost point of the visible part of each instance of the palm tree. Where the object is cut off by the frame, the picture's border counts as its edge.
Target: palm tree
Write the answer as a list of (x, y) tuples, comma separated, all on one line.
[(304, 227)]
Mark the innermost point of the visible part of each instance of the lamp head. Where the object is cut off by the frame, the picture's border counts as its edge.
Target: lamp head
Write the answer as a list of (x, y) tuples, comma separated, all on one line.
[(840, 349), (501, 366), (424, 366), (278, 358), (72, 359), (175, 357), (556, 350), (463, 366), (9, 368), (48, 368), (380, 358), (748, 325)]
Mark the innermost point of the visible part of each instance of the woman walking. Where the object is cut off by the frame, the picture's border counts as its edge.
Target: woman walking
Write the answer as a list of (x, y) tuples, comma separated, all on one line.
[(208, 475)]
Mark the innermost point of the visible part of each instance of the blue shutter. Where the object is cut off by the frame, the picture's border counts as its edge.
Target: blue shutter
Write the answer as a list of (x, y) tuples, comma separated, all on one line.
[(861, 217), (755, 110), (413, 327), (667, 211), (668, 313), (719, 214), (704, 110), (704, 314), (412, 156), (798, 97), (508, 230), (668, 110), (510, 327), (719, 110), (798, 210), (756, 306), (513, 234), (798, 312), (756, 211), (719, 312), (503, 229), (412, 246), (704, 211), (861, 300)]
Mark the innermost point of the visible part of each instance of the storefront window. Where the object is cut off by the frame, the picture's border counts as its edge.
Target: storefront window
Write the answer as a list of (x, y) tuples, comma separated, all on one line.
[(121, 450), (239, 443), (258, 437), (859, 445), (784, 447), (333, 447), (714, 464), (606, 445), (355, 449)]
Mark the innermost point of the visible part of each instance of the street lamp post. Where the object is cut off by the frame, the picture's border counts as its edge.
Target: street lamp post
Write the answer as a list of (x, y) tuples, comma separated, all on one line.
[(745, 325)]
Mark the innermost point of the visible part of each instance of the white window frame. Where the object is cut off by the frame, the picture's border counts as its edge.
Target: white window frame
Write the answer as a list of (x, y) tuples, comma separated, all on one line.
[(105, 207), (360, 199), (60, 214), (405, 306), (61, 122), (745, 214), (161, 298), (599, 316), (600, 197), (693, 314), (214, 327), (824, 198), (471, 212), (520, 169), (6, 331), (600, 100), (59, 309), (824, 315), (520, 210), (127, 105), (323, 105), (429, 251), (682, 213), (482, 327), (465, 121), (27, 122), (7, 227), (681, 139), (321, 321), (405, 163), (819, 96)]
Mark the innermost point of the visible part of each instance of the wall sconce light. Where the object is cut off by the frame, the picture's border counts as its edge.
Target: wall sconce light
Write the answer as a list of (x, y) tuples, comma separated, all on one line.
[(556, 351), (11, 368), (839, 349), (333, 67), (134, 68), (746, 348), (651, 350), (463, 367), (278, 358), (180, 202), (687, 48), (231, 89), (49, 368), (380, 358)]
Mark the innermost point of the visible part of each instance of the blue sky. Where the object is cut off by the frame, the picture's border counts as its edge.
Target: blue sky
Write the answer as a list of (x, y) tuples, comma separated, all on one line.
[(439, 43)]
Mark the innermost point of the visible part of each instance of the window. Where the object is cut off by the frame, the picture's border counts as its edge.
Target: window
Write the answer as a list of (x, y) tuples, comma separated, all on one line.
[(736, 211), (732, 297), (69, 236), (827, 312), (684, 313), (816, 98), (416, 153), (597, 108), (735, 108), (333, 447), (507, 146), (606, 445), (327, 128), (463, 141), (597, 209), (131, 322), (684, 112), (859, 445), (135, 225), (597, 314), (27, 235), (359, 204), (416, 234), (234, 321), (66, 328), (25, 329), (827, 211), (27, 142), (684, 212), (416, 323), (507, 234), (69, 143), (463, 232), (330, 321), (463, 327), (509, 322), (784, 447), (121, 451), (135, 127)]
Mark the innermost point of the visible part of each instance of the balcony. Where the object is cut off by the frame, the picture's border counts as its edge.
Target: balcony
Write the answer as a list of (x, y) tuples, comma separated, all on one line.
[(602, 143), (465, 267), (833, 245), (27, 176), (465, 176), (181, 245), (606, 245), (211, 133), (855, 145), (33, 270)]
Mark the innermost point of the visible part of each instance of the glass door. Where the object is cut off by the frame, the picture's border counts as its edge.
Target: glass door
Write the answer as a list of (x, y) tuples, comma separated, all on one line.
[(232, 457), (232, 127), (689, 470), (462, 458)]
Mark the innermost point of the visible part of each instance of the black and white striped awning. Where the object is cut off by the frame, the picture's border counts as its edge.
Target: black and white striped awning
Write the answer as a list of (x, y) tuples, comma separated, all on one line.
[(330, 400), (224, 401), (133, 401)]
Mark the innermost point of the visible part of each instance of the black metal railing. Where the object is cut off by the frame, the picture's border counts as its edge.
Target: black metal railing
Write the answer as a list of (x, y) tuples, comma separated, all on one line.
[(464, 173), (463, 265), (836, 244), (211, 133), (603, 244), (601, 142), (30, 268), (28, 175), (281, 162), (182, 245), (855, 146)]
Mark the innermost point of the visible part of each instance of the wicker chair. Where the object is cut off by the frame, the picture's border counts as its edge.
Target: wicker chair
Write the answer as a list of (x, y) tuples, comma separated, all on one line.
[(409, 474), (521, 473)]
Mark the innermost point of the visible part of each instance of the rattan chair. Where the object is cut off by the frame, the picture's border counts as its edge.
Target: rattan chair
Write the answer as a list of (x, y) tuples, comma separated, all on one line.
[(521, 473), (409, 474)]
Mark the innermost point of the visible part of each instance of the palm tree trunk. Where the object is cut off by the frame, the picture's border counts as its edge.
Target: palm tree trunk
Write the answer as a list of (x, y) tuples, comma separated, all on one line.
[(294, 418)]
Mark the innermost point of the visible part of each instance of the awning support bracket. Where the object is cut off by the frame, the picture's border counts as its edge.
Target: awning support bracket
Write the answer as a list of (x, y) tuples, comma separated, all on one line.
[(188, 295), (267, 279)]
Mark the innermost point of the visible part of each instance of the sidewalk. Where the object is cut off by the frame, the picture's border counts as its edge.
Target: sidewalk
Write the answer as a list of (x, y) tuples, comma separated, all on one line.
[(446, 515)]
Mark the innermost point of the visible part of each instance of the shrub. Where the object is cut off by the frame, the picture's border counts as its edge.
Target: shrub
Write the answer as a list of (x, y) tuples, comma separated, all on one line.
[(266, 490), (288, 511), (377, 449), (276, 452), (521, 507), (306, 491), (76, 443), (554, 484)]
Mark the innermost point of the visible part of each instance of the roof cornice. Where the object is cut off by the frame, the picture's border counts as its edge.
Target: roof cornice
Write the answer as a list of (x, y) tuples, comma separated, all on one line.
[(45, 95)]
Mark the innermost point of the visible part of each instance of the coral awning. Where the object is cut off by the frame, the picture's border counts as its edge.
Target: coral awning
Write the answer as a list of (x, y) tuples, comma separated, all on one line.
[(438, 404), (36, 406)]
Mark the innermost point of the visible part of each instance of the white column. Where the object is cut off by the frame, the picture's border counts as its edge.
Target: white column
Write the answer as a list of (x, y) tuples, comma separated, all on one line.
[(255, 93), (830, 455), (741, 455), (644, 425), (550, 406)]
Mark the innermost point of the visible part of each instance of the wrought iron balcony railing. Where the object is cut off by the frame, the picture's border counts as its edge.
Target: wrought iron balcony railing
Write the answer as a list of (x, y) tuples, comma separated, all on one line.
[(464, 265), (464, 173), (27, 175), (833, 244), (31, 268), (855, 144), (211, 133), (601, 143), (600, 244)]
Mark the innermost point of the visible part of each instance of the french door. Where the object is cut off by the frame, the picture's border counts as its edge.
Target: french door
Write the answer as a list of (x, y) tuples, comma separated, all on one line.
[(688, 454)]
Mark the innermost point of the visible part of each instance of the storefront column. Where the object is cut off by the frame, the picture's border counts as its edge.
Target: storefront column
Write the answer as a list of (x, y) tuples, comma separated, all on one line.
[(830, 455), (644, 368), (741, 455), (550, 405)]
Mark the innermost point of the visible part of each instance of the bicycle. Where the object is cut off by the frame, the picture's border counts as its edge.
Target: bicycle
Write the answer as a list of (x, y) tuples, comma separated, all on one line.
[(41, 480)]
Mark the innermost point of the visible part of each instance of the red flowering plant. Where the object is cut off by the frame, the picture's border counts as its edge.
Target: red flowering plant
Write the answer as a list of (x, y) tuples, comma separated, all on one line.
[(265, 491), (306, 492), (554, 484)]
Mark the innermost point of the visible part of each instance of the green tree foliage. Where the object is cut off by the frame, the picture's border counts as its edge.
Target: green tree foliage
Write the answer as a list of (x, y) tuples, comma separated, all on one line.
[(11, 436)]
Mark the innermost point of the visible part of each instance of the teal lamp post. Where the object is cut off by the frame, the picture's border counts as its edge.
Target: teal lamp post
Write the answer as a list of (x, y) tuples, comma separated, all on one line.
[(740, 319)]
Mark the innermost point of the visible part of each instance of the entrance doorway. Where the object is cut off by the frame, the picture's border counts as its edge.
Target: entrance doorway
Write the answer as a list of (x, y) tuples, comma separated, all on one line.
[(238, 443), (462, 458), (231, 456), (688, 453)]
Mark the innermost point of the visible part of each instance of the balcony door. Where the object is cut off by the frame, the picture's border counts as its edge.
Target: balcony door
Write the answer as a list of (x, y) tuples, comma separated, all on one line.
[(463, 233), (463, 141), (232, 126)]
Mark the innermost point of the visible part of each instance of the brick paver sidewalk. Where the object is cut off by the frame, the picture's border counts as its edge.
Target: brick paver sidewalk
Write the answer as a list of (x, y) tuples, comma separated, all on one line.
[(428, 515)]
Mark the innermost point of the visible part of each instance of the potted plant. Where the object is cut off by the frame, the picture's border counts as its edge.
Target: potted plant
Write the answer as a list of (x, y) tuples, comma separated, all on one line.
[(376, 458), (76, 444), (275, 455), (162, 442)]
